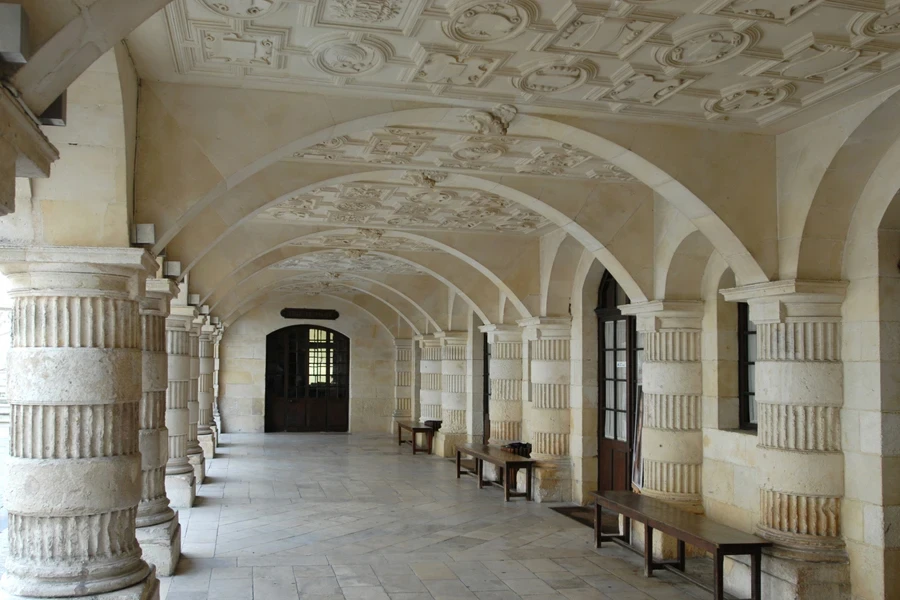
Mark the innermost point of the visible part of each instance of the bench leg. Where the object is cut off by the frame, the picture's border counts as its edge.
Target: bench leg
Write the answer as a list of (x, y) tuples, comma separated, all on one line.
[(718, 576), (430, 435), (597, 540), (458, 462), (506, 479), (479, 466), (648, 551), (529, 472), (755, 575), (626, 534), (680, 565)]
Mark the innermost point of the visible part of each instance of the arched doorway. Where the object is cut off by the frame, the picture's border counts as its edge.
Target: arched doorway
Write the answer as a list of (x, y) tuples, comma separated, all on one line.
[(307, 380), (620, 358)]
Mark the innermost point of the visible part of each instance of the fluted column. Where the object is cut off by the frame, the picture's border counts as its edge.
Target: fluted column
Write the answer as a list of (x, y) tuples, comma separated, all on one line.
[(216, 424), (180, 480), (403, 379), (505, 371), (194, 451), (672, 439), (549, 363), (5, 342), (799, 395), (158, 531), (430, 377), (205, 391), (73, 478), (453, 392)]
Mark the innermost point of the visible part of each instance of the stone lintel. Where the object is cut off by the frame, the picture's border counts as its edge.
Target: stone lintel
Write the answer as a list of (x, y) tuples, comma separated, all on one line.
[(162, 287), (21, 259), (452, 338), (657, 315), (403, 342), (185, 313), (502, 333), (538, 328), (792, 300)]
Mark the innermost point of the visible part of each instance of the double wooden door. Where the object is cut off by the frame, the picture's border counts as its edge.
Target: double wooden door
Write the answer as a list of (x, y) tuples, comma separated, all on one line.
[(307, 380)]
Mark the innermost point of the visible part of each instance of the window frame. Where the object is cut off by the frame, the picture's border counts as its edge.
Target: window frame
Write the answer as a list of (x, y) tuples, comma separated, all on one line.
[(744, 364)]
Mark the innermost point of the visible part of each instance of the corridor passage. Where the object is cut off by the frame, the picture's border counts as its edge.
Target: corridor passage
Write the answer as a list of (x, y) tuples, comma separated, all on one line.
[(286, 516)]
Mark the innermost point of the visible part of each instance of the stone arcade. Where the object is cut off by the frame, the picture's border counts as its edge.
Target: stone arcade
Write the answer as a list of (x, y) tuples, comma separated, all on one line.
[(659, 240)]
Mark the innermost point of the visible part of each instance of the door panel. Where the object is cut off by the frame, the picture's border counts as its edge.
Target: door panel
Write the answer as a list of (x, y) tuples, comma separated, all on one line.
[(307, 380)]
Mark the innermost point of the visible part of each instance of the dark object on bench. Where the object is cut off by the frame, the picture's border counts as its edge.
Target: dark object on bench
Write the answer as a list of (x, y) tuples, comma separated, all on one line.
[(414, 429), (508, 462), (697, 530), (434, 424), (522, 449)]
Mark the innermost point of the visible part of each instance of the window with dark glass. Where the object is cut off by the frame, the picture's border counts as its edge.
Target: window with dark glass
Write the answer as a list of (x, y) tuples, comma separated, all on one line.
[(746, 367)]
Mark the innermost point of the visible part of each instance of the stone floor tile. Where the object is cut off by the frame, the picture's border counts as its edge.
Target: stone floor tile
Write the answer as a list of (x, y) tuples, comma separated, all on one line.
[(318, 586), (560, 581), (416, 596), (402, 583), (226, 573), (427, 571), (365, 593), (542, 565), (509, 595), (529, 587), (445, 588), (314, 571)]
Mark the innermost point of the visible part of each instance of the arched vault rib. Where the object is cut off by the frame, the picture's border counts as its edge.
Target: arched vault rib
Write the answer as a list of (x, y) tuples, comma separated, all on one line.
[(475, 264), (726, 242)]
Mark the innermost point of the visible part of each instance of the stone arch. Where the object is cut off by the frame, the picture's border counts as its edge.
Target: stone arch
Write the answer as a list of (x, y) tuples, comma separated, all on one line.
[(746, 267), (720, 319), (853, 194), (682, 276), (558, 283)]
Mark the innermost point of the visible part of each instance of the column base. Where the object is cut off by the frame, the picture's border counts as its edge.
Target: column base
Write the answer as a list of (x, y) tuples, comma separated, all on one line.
[(215, 434), (161, 545), (445, 443), (552, 480), (146, 590), (181, 490), (207, 443), (786, 578), (198, 461)]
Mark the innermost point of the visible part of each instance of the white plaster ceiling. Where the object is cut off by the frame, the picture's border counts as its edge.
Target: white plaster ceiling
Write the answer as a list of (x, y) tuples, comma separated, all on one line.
[(338, 262), (749, 63), (365, 239)]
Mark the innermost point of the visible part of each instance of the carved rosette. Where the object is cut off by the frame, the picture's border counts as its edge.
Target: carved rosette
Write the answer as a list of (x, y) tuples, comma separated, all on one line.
[(506, 384), (430, 386), (73, 477)]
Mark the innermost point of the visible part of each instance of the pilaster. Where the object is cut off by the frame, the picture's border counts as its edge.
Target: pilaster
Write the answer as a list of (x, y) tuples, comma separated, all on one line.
[(158, 531), (799, 395), (180, 479), (549, 365), (430, 378), (73, 478), (403, 378), (453, 392), (194, 451), (505, 372), (205, 422)]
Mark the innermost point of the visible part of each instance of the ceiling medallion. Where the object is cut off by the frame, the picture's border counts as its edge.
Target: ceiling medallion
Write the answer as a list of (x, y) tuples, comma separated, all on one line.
[(748, 100), (346, 58), (706, 48), (553, 79), (493, 122), (486, 22), (241, 9)]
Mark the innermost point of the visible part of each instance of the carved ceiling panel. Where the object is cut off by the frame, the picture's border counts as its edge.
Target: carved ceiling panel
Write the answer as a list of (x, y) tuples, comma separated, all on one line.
[(319, 283), (338, 262), (477, 146), (365, 239), (684, 60), (402, 205)]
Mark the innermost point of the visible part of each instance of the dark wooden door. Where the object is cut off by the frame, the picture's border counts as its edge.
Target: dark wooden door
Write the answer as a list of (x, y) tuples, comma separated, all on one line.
[(620, 359), (307, 380)]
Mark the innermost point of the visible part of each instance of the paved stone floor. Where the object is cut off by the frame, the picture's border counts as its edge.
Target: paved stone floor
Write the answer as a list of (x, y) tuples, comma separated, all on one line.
[(337, 517), (334, 517)]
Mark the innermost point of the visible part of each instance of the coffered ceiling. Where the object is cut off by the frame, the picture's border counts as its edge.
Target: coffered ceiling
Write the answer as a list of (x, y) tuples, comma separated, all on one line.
[(745, 63)]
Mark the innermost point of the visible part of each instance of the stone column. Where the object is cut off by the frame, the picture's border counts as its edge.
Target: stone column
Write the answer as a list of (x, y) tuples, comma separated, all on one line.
[(180, 480), (672, 440), (216, 425), (403, 379), (158, 531), (799, 395), (5, 342), (549, 353), (453, 392), (73, 478), (205, 391), (430, 373), (194, 451), (505, 372)]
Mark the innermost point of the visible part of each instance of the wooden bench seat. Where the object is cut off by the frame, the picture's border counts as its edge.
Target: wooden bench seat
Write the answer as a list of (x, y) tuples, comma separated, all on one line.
[(508, 462), (696, 530), (415, 429)]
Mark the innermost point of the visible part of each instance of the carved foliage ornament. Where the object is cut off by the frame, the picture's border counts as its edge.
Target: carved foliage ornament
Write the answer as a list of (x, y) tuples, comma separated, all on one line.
[(772, 10), (495, 122), (347, 58), (485, 22), (365, 11), (348, 261), (241, 9), (427, 179), (887, 24)]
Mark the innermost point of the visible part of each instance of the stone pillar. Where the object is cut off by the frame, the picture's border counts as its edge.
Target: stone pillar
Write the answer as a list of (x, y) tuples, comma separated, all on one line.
[(430, 373), (505, 372), (549, 364), (403, 379), (73, 477), (453, 392), (205, 391), (216, 425), (799, 395), (180, 480), (158, 531), (5, 342), (194, 451), (672, 439)]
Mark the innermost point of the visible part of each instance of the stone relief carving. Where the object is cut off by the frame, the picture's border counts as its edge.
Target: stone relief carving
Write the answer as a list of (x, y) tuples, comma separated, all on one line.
[(415, 206), (822, 63), (346, 58), (427, 179), (749, 100), (239, 48), (454, 69), (553, 79), (365, 11), (348, 261), (647, 89), (486, 22), (603, 35), (886, 24), (779, 11), (366, 239), (706, 48), (554, 160), (241, 9), (493, 122)]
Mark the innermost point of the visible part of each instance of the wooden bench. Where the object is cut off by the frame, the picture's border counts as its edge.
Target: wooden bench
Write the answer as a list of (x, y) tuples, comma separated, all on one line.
[(696, 530), (508, 462), (414, 429)]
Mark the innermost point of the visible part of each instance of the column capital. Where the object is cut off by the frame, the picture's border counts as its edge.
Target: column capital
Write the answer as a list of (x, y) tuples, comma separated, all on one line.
[(428, 340), (184, 314), (791, 300), (658, 315), (537, 328), (403, 342), (157, 298), (452, 338), (502, 333)]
